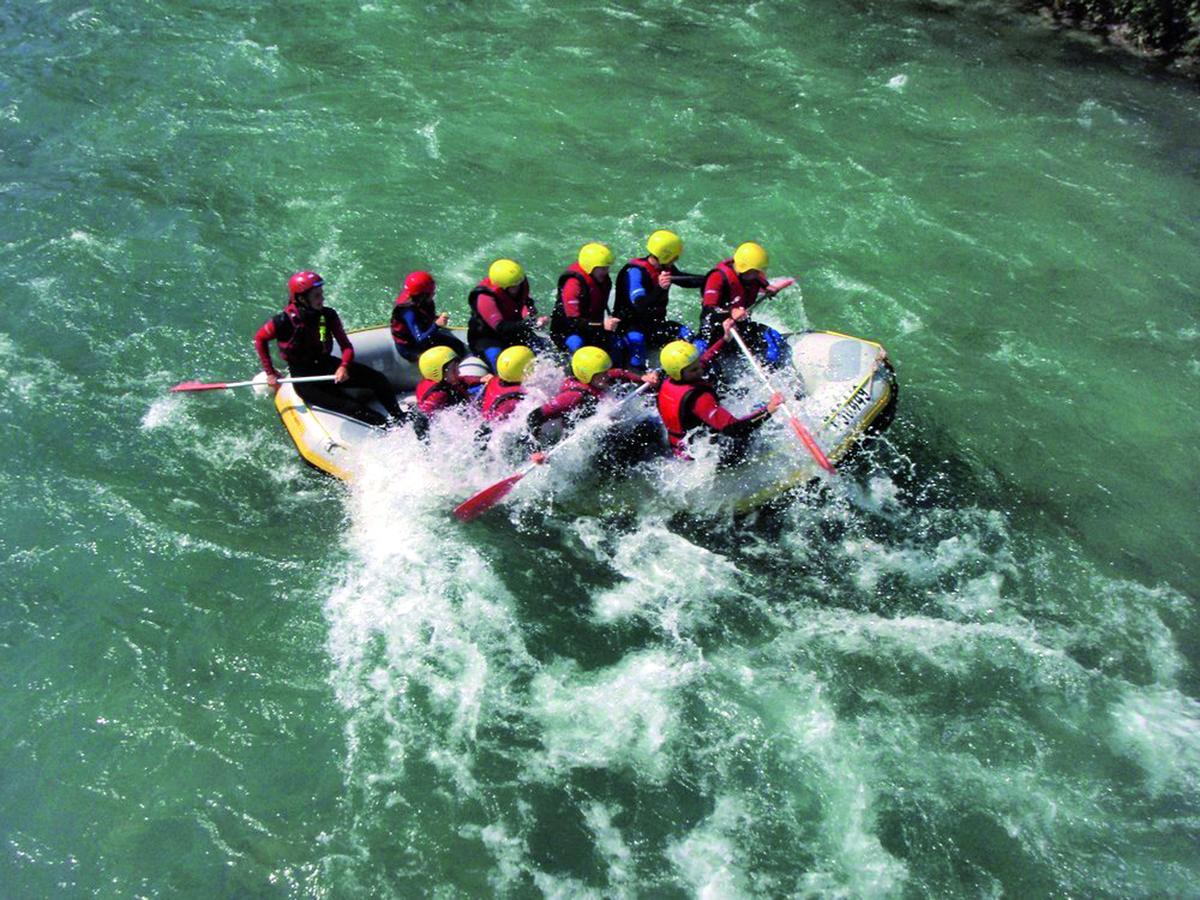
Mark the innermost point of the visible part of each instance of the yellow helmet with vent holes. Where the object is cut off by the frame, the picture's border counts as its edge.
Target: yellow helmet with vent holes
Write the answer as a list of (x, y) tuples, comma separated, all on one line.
[(677, 356), (514, 363)]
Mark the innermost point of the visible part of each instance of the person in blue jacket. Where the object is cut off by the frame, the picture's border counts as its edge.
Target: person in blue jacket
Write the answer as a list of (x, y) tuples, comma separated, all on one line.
[(642, 293), (416, 323)]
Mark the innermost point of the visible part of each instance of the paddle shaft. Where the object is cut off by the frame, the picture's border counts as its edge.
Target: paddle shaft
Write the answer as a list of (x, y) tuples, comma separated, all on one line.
[(806, 438), (225, 385)]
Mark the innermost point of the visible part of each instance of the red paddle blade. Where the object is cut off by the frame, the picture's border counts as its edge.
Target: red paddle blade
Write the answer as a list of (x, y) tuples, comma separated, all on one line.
[(811, 445), (486, 499), (198, 386)]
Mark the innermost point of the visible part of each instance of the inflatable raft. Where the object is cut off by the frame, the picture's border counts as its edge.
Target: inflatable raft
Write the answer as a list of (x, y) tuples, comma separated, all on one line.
[(848, 390)]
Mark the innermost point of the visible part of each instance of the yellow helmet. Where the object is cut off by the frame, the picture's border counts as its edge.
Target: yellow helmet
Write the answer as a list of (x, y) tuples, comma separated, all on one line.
[(506, 273), (677, 356), (749, 256), (592, 255), (588, 362), (433, 362), (514, 363), (666, 245)]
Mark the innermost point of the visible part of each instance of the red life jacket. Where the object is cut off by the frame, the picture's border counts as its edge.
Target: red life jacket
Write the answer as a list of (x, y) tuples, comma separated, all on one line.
[(434, 395), (595, 291), (651, 307), (425, 313), (499, 398), (675, 402), (738, 293), (304, 334), (511, 306)]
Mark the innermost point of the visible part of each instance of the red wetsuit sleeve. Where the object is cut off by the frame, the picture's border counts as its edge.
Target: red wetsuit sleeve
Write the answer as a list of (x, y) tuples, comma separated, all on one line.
[(623, 375), (562, 403), (528, 307), (716, 347), (506, 406), (489, 311), (757, 292), (339, 335), (713, 414), (262, 338), (715, 291), (573, 298)]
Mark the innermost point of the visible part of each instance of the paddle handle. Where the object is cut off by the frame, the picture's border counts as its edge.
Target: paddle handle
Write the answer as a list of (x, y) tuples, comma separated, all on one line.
[(802, 433)]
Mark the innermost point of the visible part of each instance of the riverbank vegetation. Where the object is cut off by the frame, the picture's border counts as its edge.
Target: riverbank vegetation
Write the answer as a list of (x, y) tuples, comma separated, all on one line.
[(1167, 31)]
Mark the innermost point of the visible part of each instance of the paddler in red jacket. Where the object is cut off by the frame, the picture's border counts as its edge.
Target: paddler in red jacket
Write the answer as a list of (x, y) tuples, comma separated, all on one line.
[(502, 312), (580, 315), (305, 332), (416, 323), (736, 284), (686, 401), (506, 390), (442, 385), (591, 373)]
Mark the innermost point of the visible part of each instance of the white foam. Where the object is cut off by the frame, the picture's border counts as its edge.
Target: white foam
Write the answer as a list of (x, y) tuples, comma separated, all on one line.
[(621, 717), (418, 608), (650, 561), (509, 853), (429, 132), (265, 58), (922, 565), (707, 859), (162, 411), (1160, 731), (611, 846)]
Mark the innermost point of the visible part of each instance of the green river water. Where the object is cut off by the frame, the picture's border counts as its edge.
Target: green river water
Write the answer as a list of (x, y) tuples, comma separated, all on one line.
[(224, 675)]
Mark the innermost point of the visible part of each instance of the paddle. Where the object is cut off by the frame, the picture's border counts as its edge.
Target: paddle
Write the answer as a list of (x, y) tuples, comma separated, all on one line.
[(224, 385), (801, 432), (480, 503)]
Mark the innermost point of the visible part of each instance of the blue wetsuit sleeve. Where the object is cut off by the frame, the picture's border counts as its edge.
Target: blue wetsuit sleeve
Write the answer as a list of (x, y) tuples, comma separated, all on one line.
[(410, 319), (637, 290)]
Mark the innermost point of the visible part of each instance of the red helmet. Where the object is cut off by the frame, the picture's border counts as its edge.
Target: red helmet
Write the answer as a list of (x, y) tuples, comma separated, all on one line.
[(301, 283), (418, 283)]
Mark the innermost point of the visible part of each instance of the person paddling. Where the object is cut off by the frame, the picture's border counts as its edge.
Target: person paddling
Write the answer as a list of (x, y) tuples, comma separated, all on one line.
[(305, 332), (642, 294), (503, 314), (687, 402), (736, 284), (581, 311), (592, 373), (506, 390), (416, 323), (442, 385)]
